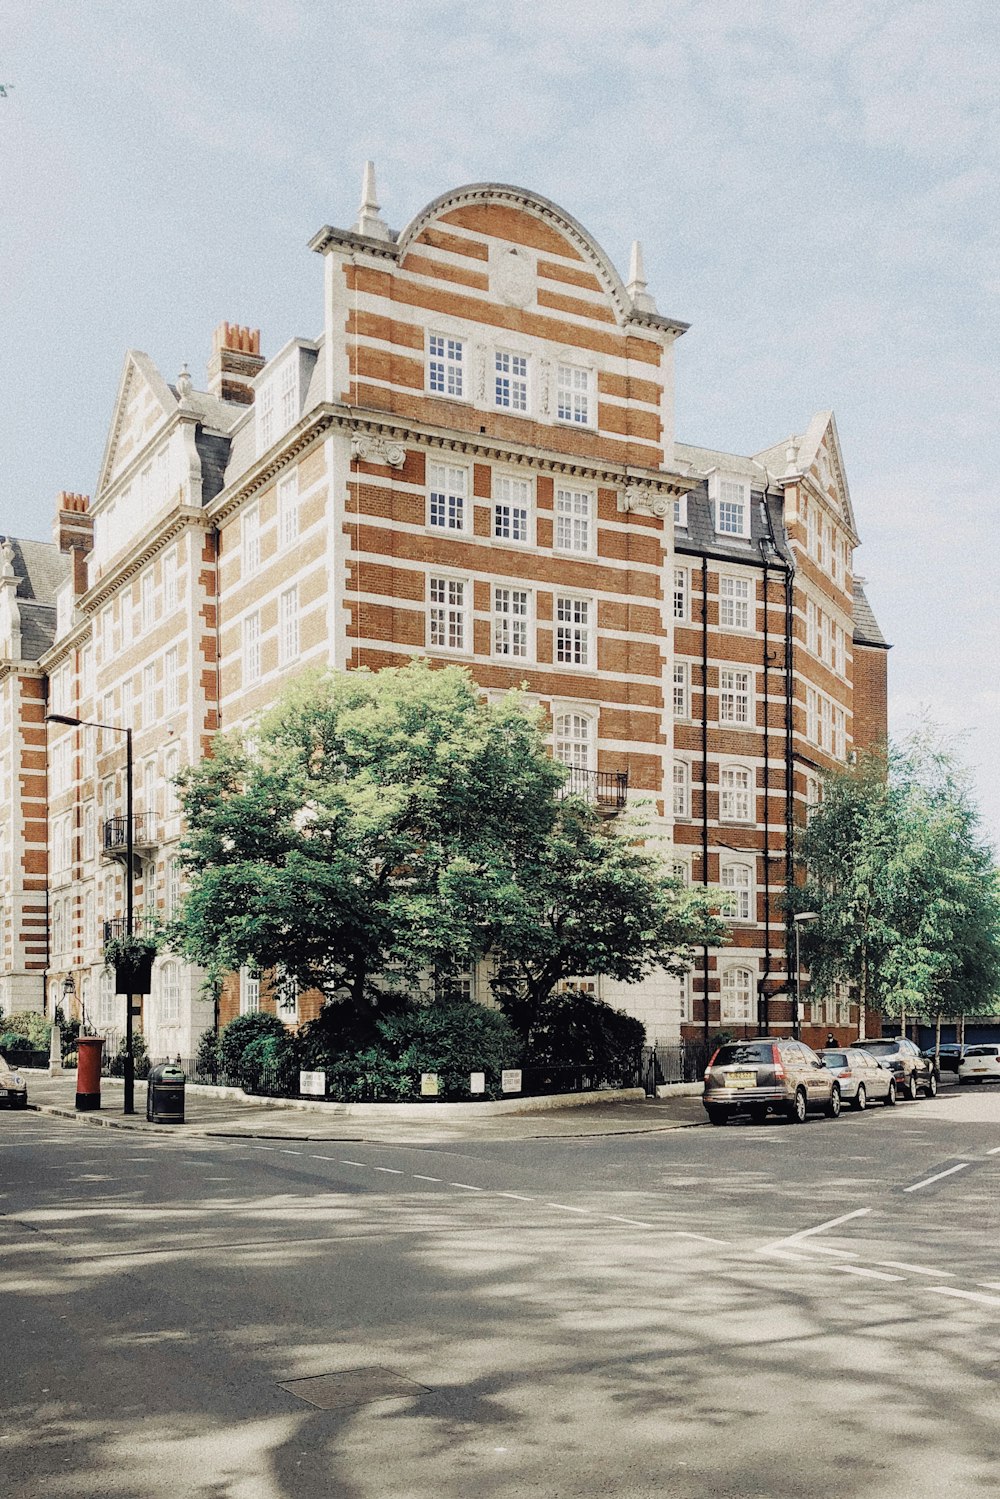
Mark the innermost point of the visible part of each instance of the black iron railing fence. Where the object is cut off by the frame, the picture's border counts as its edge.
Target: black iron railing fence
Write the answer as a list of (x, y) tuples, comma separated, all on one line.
[(114, 832), (606, 789)]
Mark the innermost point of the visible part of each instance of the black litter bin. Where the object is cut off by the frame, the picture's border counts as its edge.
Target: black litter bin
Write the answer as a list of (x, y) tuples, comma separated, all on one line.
[(165, 1094)]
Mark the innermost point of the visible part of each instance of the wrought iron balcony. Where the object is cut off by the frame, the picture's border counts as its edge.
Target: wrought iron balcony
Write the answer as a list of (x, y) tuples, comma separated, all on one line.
[(143, 925), (607, 790), (114, 834)]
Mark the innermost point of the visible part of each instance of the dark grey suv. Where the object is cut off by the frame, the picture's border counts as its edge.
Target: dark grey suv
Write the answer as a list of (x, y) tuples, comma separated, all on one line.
[(914, 1073), (768, 1075)]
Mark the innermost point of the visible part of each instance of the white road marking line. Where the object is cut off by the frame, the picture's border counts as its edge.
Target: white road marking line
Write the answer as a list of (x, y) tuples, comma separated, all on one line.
[(965, 1295), (519, 1197), (786, 1254), (289, 1152), (994, 1151), (614, 1218), (322, 1157), (418, 1178), (678, 1233), (868, 1274), (564, 1209), (389, 1170), (844, 1254), (991, 1285), (929, 1179), (362, 1164), (807, 1233), (271, 1148), (913, 1269), (465, 1187)]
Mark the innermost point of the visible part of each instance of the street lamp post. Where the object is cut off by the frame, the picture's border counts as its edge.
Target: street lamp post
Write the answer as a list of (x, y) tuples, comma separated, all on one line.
[(799, 919), (86, 723)]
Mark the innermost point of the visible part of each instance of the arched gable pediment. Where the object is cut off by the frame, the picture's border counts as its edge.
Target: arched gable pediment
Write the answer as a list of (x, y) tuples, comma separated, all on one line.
[(526, 221)]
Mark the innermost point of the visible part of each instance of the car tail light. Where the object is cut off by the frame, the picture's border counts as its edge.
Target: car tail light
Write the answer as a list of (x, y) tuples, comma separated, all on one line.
[(779, 1071), (846, 1074), (709, 1064)]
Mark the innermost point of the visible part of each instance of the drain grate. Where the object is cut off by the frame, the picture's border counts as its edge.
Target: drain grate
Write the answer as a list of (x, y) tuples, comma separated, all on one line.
[(346, 1387)]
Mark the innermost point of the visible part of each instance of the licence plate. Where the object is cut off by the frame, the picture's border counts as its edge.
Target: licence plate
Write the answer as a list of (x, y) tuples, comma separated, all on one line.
[(3, 1092), (741, 1079)]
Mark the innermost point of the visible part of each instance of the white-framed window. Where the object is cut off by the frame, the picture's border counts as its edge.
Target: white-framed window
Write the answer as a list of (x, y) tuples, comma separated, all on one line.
[(574, 630), (128, 704), (734, 696), (288, 393), (286, 997), (681, 510), (59, 763), (511, 508), (90, 932), (264, 408), (682, 689), (737, 995), (251, 647), (147, 785), (511, 623), (149, 693), (89, 753), (89, 831), (250, 536), (574, 521), (62, 843), (106, 1000), (825, 542), (454, 986), (684, 997), (172, 887), (510, 380), (738, 891), (814, 795), (734, 602), (574, 740), (812, 715), (288, 625), (731, 499), (147, 602), (447, 494), (446, 365), (58, 929), (839, 651), (825, 637), (288, 509), (839, 732), (447, 614), (249, 991), (170, 580), (127, 617), (681, 593), (171, 680), (812, 627), (574, 395), (825, 723), (169, 979), (680, 870), (87, 673), (171, 769), (736, 794), (107, 633), (812, 527), (681, 782), (839, 554)]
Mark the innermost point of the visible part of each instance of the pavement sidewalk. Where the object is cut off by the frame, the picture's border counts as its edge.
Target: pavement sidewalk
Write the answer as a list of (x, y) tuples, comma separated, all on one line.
[(238, 1118)]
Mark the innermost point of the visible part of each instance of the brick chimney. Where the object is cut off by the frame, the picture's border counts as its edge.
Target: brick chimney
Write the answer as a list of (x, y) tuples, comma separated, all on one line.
[(73, 532), (236, 359)]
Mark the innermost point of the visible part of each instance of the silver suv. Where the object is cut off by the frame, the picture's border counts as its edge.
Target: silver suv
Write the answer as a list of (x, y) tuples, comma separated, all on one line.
[(768, 1075)]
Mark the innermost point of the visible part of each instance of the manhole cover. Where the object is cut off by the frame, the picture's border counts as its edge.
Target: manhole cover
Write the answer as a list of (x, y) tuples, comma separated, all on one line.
[(328, 1392)]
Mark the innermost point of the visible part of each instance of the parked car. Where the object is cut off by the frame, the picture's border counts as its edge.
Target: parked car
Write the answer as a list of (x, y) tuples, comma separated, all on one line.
[(980, 1064), (950, 1055), (768, 1075), (13, 1088), (914, 1073), (862, 1078)]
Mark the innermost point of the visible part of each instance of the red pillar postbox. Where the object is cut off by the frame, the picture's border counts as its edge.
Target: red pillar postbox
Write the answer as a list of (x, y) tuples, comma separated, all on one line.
[(88, 1072)]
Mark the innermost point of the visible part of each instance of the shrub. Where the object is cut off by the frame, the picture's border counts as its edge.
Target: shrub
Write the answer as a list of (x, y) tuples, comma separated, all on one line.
[(239, 1033), (270, 1064), (33, 1031), (452, 1038), (206, 1062), (140, 1057), (574, 1029)]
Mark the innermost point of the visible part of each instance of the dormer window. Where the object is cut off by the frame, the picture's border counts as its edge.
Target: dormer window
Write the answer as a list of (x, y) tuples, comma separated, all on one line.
[(731, 505)]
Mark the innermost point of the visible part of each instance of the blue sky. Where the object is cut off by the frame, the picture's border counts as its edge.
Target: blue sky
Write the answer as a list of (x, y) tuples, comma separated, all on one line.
[(815, 186)]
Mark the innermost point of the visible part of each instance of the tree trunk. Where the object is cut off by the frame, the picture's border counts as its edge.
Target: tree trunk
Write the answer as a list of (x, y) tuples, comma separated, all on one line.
[(937, 1043), (902, 1022)]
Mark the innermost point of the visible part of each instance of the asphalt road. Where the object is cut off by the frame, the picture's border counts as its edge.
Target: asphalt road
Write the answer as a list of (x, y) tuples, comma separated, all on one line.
[(756, 1311)]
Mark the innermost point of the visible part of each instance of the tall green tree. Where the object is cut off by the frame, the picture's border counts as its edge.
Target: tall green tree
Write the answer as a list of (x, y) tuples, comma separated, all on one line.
[(327, 848), (904, 884)]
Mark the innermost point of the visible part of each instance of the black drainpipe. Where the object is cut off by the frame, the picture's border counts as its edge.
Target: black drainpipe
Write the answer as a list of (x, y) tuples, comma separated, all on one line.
[(763, 997), (704, 773), (789, 775)]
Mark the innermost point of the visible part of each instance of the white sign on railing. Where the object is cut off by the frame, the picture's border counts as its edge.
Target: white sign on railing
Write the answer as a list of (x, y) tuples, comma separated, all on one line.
[(477, 1082), (429, 1084), (510, 1080), (313, 1084)]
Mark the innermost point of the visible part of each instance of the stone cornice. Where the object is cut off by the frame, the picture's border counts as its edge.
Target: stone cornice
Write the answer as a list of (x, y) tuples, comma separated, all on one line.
[(148, 544), (815, 491), (329, 238)]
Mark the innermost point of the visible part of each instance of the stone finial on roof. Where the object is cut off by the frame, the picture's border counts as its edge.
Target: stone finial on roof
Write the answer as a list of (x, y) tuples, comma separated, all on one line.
[(370, 222), (6, 559), (791, 459), (184, 382), (636, 287)]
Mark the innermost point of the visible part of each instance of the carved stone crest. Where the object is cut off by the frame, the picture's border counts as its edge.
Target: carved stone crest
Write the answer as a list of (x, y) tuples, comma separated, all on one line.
[(641, 498), (374, 449), (514, 277)]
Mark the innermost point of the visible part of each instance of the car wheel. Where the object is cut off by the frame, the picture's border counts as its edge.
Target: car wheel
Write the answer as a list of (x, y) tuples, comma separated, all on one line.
[(890, 1097), (912, 1091), (797, 1107), (833, 1107), (932, 1087), (861, 1102), (718, 1116)]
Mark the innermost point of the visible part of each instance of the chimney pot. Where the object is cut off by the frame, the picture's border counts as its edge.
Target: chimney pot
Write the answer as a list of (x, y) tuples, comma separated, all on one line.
[(236, 359)]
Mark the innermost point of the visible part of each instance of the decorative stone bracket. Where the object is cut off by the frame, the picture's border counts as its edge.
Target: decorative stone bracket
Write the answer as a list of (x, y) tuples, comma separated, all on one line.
[(642, 498), (374, 449)]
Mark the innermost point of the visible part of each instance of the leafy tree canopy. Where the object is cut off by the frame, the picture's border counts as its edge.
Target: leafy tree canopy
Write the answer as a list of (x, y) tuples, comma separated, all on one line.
[(904, 883)]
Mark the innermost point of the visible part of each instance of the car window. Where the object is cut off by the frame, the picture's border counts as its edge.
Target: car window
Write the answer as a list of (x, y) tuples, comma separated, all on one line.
[(837, 1059), (879, 1048), (754, 1052), (982, 1051)]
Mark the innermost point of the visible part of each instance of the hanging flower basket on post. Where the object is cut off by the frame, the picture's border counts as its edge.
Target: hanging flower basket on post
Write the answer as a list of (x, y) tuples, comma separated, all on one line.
[(132, 960)]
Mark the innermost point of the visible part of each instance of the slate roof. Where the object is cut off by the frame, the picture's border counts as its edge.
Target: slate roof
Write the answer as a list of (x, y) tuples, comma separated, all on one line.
[(866, 630), (40, 569)]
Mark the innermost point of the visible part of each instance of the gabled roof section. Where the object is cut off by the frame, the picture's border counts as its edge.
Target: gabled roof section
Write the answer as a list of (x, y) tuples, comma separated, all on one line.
[(40, 569), (705, 461), (144, 401), (817, 456)]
